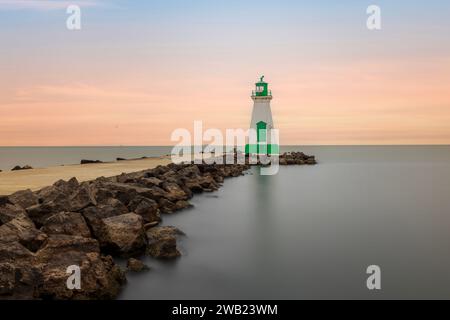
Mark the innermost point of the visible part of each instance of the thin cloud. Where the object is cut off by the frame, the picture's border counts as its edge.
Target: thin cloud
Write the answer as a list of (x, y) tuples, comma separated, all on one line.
[(44, 5)]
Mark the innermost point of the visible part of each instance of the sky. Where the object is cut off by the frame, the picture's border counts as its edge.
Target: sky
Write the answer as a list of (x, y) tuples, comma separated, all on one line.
[(139, 69)]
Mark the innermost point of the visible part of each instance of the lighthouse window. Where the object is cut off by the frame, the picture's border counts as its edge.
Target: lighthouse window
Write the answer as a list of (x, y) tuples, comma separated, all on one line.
[(260, 89)]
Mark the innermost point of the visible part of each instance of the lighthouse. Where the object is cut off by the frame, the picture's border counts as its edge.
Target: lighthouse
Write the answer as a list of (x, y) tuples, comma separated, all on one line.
[(262, 122)]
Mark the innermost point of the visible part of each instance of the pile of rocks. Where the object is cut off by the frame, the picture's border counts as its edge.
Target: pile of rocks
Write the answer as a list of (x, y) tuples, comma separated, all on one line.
[(70, 223), (287, 158), (297, 158)]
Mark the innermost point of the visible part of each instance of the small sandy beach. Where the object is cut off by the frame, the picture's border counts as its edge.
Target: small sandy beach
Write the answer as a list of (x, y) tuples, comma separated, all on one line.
[(35, 179)]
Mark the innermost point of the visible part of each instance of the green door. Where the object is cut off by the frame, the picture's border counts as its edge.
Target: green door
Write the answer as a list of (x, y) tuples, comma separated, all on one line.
[(261, 128)]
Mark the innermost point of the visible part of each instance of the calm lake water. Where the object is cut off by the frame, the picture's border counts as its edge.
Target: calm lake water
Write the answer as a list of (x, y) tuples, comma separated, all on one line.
[(311, 231), (307, 232)]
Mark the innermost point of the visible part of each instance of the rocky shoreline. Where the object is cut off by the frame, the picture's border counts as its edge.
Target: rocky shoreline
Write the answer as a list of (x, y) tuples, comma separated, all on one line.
[(86, 224)]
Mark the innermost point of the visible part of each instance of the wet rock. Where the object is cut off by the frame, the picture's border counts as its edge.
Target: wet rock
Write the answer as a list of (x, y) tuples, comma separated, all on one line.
[(101, 278), (136, 265), (124, 235), (162, 242), (69, 223), (21, 229), (25, 198), (146, 208)]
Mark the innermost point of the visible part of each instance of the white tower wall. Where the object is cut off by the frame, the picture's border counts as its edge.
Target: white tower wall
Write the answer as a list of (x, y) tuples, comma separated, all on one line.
[(262, 112)]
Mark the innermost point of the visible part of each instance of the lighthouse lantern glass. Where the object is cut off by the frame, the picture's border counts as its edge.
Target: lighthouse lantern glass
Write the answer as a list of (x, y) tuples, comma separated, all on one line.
[(261, 89)]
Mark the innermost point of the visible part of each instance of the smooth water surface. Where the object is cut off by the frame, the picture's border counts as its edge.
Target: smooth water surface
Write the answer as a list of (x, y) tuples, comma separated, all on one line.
[(311, 231)]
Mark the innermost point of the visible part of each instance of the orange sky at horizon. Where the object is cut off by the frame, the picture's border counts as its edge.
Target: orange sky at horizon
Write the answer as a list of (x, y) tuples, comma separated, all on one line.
[(363, 104)]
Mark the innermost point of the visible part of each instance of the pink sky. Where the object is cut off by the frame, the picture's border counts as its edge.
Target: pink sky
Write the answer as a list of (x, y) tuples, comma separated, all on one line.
[(128, 85)]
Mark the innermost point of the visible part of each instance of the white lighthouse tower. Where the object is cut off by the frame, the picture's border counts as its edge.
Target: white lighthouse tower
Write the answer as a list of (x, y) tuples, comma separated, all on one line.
[(262, 122)]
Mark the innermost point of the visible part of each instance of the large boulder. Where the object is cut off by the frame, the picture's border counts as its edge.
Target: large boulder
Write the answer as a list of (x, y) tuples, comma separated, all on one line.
[(194, 185), (94, 215), (59, 191), (190, 171), (20, 275), (21, 229), (174, 192), (9, 212), (4, 200), (62, 196), (100, 278), (167, 206), (156, 193), (127, 192), (69, 223), (67, 186), (124, 235), (24, 198), (68, 195), (39, 213), (150, 182), (146, 208), (182, 204), (162, 242), (82, 197)]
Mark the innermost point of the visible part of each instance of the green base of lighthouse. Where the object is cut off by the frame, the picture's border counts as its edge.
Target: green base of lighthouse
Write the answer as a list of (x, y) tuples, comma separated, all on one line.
[(267, 149)]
